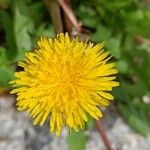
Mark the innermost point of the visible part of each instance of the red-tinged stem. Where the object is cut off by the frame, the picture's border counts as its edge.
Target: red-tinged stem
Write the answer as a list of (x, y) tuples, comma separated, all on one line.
[(102, 133), (68, 24), (69, 13)]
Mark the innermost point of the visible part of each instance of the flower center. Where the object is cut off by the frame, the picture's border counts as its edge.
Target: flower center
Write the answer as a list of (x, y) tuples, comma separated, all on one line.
[(68, 77)]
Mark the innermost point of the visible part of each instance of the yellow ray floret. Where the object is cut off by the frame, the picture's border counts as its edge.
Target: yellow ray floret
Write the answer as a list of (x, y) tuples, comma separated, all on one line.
[(64, 80)]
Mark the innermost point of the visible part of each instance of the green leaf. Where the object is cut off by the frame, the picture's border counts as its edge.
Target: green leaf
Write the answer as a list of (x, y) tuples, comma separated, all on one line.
[(3, 56), (102, 34), (122, 66), (113, 45), (6, 74), (89, 123), (43, 29), (121, 94), (137, 123), (134, 16), (23, 25), (115, 5), (34, 9), (7, 22), (139, 24), (89, 17), (76, 141), (145, 106)]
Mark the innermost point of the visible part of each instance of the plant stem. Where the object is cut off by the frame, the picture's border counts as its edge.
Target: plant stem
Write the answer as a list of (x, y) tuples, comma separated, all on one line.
[(69, 13), (101, 131), (54, 11), (68, 24)]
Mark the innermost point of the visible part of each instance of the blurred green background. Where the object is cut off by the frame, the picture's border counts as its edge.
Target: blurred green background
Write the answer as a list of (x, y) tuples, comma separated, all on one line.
[(123, 24)]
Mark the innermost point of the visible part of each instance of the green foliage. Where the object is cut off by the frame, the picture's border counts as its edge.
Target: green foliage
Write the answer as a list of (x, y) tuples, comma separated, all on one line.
[(3, 56), (6, 74), (132, 117), (7, 23), (76, 141), (120, 23)]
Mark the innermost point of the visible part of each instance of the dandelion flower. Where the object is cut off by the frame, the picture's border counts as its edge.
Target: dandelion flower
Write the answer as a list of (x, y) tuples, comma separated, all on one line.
[(64, 80)]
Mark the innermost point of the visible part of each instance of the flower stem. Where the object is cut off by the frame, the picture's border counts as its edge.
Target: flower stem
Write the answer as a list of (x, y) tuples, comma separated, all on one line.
[(101, 130), (54, 11), (65, 4)]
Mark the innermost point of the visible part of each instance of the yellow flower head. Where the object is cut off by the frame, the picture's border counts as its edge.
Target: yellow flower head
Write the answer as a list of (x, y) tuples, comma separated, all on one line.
[(64, 79)]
